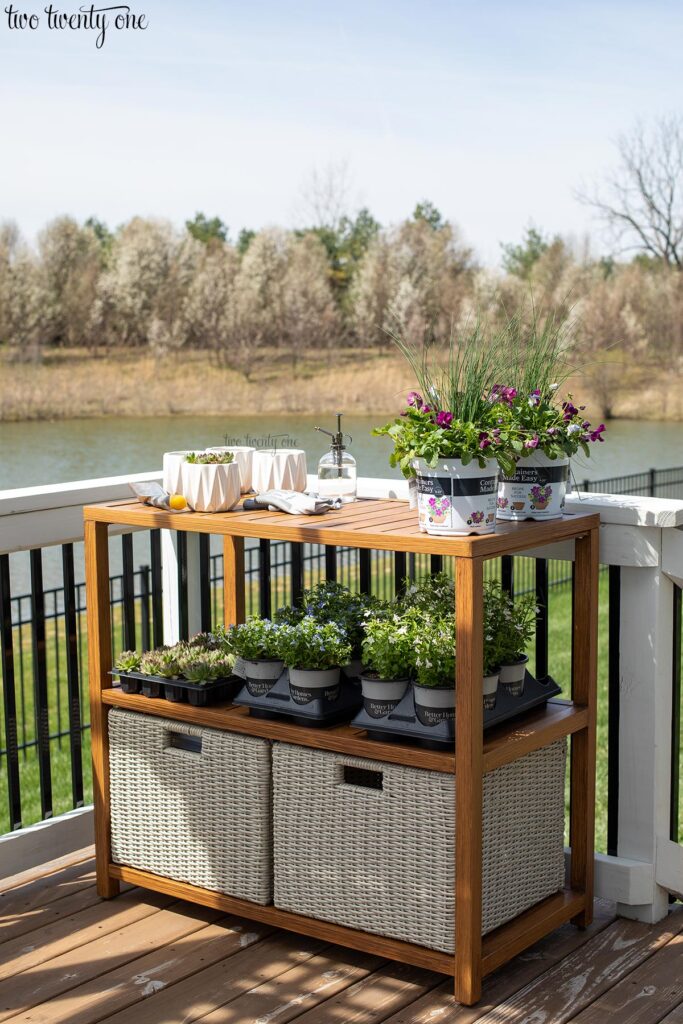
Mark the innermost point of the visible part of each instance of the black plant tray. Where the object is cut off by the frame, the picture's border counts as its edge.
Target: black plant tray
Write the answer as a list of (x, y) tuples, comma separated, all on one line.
[(278, 704), (403, 724), (179, 691)]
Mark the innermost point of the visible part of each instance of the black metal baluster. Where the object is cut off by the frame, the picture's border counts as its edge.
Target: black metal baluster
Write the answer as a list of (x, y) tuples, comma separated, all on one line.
[(613, 672), (507, 574), (297, 572), (128, 592), (411, 566), (542, 619), (399, 572), (9, 695), (364, 571), (58, 668), (157, 601), (435, 563), (40, 694), (72, 676), (676, 717), (183, 606), (264, 579), (205, 582), (144, 608), (330, 562)]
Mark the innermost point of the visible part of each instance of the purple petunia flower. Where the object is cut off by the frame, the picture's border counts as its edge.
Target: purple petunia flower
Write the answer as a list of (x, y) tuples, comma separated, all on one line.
[(414, 398), (444, 419), (597, 433), (532, 442)]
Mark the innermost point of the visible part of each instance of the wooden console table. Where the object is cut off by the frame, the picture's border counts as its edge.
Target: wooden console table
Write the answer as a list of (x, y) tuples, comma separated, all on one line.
[(382, 525)]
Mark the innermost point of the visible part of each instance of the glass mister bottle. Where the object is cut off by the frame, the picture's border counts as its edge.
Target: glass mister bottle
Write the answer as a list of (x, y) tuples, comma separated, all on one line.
[(337, 472)]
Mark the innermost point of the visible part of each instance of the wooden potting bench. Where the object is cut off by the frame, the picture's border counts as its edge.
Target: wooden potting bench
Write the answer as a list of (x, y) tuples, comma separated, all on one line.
[(390, 526)]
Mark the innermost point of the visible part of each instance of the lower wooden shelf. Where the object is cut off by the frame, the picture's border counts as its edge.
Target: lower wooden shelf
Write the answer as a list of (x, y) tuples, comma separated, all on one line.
[(497, 947), (502, 745)]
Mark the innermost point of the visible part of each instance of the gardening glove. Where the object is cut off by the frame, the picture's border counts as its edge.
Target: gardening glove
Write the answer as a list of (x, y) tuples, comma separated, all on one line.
[(153, 494), (294, 502)]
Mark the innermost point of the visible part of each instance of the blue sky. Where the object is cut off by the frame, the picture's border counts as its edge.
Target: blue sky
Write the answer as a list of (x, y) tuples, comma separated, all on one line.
[(494, 111)]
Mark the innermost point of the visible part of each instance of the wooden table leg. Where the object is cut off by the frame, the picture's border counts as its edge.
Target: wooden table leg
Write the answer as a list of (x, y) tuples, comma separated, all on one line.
[(99, 664), (584, 691), (469, 726), (233, 580)]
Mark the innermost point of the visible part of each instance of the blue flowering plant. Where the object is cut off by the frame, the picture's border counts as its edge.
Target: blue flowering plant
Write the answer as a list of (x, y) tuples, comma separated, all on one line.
[(310, 644), (254, 640), (330, 601)]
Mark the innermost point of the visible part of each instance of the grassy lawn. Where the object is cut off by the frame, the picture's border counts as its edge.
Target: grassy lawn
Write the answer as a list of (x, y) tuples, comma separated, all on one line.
[(559, 663)]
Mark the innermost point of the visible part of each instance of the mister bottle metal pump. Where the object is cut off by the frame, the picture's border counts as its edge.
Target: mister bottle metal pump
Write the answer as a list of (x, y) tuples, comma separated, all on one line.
[(337, 472)]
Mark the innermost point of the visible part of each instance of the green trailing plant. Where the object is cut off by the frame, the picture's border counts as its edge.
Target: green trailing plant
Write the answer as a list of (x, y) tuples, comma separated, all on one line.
[(435, 651), (210, 458), (127, 661), (389, 646), (254, 640), (310, 644)]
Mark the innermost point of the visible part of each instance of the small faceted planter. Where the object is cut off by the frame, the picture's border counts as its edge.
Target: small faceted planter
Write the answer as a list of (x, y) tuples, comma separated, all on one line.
[(536, 491), (261, 675), (512, 676), (456, 500), (173, 471), (308, 684), (244, 458), (380, 696), (211, 488), (284, 469), (434, 704)]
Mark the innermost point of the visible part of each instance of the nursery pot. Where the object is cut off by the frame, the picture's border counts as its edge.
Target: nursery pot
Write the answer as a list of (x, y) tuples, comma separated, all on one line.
[(284, 469), (380, 696), (536, 491), (211, 488), (244, 458), (456, 500), (512, 676), (307, 684), (490, 689), (434, 704), (262, 675)]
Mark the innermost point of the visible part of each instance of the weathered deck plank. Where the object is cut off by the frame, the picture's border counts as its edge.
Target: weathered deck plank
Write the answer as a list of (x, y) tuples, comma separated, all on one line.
[(68, 958)]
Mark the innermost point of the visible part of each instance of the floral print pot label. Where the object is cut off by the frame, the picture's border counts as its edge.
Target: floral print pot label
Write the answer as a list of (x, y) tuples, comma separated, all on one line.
[(432, 716), (306, 694), (463, 504), (533, 489)]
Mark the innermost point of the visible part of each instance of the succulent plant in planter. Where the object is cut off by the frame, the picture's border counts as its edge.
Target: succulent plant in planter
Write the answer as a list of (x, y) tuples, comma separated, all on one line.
[(256, 643), (314, 652), (127, 661), (210, 481), (434, 686), (209, 458), (388, 660)]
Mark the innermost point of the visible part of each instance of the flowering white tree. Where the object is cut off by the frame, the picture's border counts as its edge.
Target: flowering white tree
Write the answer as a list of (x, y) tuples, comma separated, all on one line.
[(72, 260)]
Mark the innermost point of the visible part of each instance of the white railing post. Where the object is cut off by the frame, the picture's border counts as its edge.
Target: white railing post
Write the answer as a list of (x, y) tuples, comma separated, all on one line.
[(170, 585)]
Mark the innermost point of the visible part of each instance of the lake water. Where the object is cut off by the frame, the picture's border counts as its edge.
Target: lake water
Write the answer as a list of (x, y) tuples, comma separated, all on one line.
[(46, 453)]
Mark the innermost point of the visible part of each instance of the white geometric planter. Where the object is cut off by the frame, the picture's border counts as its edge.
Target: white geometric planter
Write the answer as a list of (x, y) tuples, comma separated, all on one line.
[(173, 471), (244, 457), (211, 488), (279, 470)]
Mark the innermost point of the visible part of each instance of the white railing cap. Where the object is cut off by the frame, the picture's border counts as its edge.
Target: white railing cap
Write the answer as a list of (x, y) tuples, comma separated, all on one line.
[(78, 492), (628, 509)]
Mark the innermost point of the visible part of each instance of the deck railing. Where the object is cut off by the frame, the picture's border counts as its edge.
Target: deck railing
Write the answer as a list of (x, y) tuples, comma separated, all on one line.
[(175, 591)]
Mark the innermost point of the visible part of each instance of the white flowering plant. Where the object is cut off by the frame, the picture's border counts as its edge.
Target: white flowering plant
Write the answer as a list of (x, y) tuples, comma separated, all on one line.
[(310, 644), (254, 640), (509, 625), (433, 594), (435, 651)]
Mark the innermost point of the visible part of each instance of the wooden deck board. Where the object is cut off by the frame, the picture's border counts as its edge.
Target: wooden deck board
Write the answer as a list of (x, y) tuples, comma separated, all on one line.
[(146, 959)]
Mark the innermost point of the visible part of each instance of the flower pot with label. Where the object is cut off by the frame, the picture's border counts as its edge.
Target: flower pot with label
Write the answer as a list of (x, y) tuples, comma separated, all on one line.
[(434, 704), (455, 499), (536, 490), (380, 696), (313, 652), (255, 643), (513, 674)]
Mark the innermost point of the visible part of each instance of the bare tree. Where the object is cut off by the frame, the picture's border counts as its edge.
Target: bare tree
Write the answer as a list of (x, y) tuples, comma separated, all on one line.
[(641, 201), (324, 199)]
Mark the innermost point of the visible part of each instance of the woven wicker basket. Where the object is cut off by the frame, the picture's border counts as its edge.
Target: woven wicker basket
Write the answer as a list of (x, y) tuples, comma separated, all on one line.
[(191, 804), (382, 859)]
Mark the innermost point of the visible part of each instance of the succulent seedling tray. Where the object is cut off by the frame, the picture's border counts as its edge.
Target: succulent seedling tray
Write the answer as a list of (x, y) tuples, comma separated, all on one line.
[(320, 712), (179, 691), (403, 724)]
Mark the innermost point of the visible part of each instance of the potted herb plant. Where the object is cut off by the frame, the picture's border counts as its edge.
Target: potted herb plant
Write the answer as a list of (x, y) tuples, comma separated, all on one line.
[(313, 652), (211, 481), (546, 429), (448, 437), (256, 644), (389, 662), (434, 686), (517, 628)]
